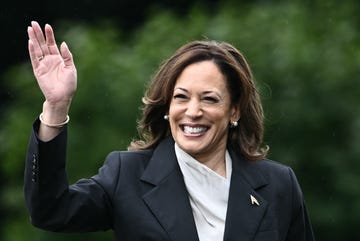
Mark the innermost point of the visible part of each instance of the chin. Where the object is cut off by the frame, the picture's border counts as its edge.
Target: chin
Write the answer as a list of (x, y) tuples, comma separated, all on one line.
[(191, 149)]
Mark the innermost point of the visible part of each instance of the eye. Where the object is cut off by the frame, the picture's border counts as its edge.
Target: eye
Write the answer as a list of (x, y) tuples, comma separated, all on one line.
[(210, 99), (180, 97)]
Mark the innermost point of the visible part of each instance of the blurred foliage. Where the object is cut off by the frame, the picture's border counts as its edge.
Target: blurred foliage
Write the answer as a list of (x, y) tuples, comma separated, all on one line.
[(305, 57)]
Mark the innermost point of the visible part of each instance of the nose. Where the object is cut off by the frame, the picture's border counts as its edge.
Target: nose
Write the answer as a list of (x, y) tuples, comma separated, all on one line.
[(193, 109)]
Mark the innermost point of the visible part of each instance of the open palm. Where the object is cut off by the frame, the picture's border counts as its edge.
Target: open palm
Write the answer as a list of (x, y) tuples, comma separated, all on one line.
[(54, 70)]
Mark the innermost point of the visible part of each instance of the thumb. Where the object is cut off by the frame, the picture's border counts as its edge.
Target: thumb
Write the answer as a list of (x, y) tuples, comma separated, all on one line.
[(66, 54)]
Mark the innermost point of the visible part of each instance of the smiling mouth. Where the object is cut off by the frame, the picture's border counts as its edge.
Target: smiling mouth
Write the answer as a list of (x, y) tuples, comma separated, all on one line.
[(194, 129)]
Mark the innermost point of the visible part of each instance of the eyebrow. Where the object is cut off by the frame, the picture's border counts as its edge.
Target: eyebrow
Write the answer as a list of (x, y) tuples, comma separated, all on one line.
[(204, 92), (180, 88)]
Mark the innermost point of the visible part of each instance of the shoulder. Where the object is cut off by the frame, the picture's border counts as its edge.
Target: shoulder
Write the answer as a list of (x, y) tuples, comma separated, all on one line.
[(268, 169), (272, 168), (164, 150), (129, 157), (275, 170), (123, 164), (279, 176), (275, 174), (132, 155)]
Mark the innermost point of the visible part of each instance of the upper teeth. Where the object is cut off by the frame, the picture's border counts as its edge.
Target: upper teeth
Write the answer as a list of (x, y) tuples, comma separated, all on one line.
[(194, 130)]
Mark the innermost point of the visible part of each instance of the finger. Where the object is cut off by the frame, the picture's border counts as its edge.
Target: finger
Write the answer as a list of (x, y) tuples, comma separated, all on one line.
[(35, 48), (40, 37), (33, 58), (34, 40), (50, 40), (66, 54)]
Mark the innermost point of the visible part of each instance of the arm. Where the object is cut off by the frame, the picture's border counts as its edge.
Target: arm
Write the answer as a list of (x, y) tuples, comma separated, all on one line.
[(53, 204)]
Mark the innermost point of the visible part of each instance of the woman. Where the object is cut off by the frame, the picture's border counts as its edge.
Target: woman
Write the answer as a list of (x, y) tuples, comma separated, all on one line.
[(199, 172)]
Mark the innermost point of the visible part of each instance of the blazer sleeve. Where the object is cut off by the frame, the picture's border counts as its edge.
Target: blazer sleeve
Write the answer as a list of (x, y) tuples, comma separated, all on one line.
[(300, 228), (55, 205)]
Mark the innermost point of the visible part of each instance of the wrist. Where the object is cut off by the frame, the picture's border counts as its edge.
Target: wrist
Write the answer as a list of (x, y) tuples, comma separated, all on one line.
[(54, 125), (54, 113)]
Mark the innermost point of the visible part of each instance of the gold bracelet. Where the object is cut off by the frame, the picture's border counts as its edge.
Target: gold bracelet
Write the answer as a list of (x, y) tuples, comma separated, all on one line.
[(54, 125)]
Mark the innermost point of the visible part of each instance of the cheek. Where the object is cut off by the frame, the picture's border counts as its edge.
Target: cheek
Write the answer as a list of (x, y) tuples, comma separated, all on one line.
[(172, 126), (173, 115), (222, 119), (175, 111)]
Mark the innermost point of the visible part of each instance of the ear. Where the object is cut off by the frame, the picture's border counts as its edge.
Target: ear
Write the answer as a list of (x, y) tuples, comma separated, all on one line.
[(235, 113)]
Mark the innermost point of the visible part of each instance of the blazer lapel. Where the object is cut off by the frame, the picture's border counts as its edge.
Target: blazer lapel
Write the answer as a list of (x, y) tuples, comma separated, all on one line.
[(246, 207), (168, 199)]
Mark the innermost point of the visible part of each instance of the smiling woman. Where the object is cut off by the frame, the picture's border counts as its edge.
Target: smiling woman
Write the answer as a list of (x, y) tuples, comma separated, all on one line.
[(199, 173), (244, 98), (200, 113)]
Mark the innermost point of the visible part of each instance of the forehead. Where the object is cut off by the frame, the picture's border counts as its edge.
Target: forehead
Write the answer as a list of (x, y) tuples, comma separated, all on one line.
[(202, 75)]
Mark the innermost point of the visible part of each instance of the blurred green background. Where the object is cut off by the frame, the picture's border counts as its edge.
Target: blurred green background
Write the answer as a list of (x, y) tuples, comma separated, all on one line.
[(305, 56)]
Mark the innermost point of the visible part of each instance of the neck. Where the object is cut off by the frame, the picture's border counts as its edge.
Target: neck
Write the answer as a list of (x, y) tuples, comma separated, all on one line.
[(215, 162)]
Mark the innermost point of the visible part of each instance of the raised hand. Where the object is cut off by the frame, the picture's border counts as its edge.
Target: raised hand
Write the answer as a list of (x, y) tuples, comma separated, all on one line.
[(54, 70), (56, 75)]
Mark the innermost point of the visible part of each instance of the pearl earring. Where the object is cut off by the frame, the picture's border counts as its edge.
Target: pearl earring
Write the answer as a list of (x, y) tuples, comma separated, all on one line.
[(234, 124), (166, 117)]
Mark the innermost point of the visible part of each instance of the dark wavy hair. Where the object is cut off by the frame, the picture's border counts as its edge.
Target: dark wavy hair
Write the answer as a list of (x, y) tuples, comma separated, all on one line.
[(246, 138)]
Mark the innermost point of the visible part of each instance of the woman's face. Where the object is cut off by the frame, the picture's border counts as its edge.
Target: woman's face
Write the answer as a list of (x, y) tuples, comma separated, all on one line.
[(200, 110)]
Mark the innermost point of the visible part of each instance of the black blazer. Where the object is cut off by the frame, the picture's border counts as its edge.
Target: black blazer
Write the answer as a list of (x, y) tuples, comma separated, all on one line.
[(141, 195)]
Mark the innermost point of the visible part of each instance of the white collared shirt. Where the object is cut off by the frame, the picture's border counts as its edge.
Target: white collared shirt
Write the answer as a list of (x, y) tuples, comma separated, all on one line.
[(208, 194)]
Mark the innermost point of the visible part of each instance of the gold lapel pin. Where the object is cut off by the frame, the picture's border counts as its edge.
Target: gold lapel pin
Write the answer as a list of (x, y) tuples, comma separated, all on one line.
[(254, 200)]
